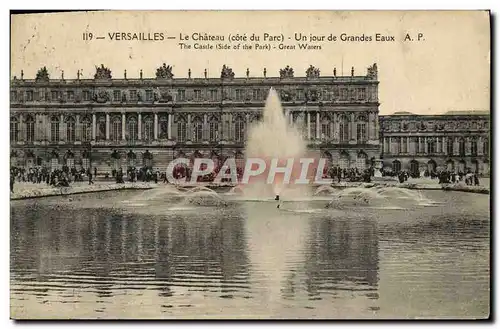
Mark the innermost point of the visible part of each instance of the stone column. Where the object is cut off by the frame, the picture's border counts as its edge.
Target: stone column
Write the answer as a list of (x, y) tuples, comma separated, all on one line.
[(170, 121), (107, 126), (336, 128), (78, 127), (21, 131), (123, 126), (353, 128), (230, 129), (308, 126), (205, 127), (480, 145), (318, 130), (93, 126), (62, 135), (368, 126), (188, 129), (468, 142), (401, 142), (407, 145), (139, 126), (426, 146), (155, 126)]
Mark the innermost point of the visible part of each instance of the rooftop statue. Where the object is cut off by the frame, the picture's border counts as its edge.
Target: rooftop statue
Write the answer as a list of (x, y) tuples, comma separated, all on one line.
[(226, 72), (372, 71), (42, 75), (287, 72), (164, 72), (102, 72), (312, 72)]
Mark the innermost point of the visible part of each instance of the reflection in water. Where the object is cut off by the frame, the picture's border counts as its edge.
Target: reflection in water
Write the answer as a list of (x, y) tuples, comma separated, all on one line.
[(250, 260)]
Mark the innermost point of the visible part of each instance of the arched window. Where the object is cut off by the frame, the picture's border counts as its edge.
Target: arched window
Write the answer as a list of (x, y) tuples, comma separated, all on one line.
[(86, 129), (431, 166), (163, 126), (404, 145), (450, 165), (473, 147), (116, 129), (85, 160), (396, 145), (116, 160), (54, 162), (326, 131), (197, 129), (181, 129), (14, 129), (344, 129), (131, 159), (414, 167), (431, 146), (449, 146), (101, 128), (148, 128), (396, 166), (461, 166), (214, 129), (486, 146), (361, 161), (30, 129), (132, 129), (239, 130), (147, 159), (70, 159), (461, 146), (361, 129), (344, 160), (54, 129), (70, 129)]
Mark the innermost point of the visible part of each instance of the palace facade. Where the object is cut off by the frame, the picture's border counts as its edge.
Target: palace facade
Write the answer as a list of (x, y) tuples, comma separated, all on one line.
[(108, 123), (455, 141)]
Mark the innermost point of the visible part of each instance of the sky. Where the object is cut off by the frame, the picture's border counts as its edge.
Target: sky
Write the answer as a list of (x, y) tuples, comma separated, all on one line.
[(447, 70)]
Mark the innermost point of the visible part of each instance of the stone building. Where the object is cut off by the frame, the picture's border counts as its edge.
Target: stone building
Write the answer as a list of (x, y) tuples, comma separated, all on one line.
[(108, 122), (456, 141)]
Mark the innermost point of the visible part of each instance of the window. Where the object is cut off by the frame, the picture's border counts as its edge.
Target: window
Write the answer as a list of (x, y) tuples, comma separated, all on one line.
[(86, 95), (117, 95), (361, 94), (343, 94), (181, 130), (54, 163), (431, 146), (70, 129), (361, 161), (461, 147), (70, 162), (344, 129), (163, 121), (449, 146), (300, 94), (214, 130), (344, 161), (133, 95), (257, 94), (71, 95), (14, 130), (396, 166), (486, 147), (197, 95), (149, 95), (239, 94), (13, 95), (197, 130), (181, 94), (326, 131), (239, 130), (361, 132), (116, 129), (148, 128), (40, 95), (132, 129), (30, 129), (404, 147), (213, 94), (29, 95), (54, 95), (54, 129), (86, 130), (396, 145), (312, 125), (101, 128)]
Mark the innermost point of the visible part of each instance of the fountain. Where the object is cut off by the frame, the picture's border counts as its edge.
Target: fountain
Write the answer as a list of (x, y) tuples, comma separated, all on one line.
[(274, 138)]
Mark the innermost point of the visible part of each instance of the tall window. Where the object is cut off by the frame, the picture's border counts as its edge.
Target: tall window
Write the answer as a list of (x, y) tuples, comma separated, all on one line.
[(54, 129), (149, 95), (70, 129), (239, 94), (116, 129), (449, 146), (197, 129), (14, 129), (117, 95), (404, 147), (361, 94), (148, 128), (361, 129), (29, 95), (396, 145), (197, 95), (163, 129), (181, 94), (86, 95), (396, 166), (461, 147), (54, 95), (361, 161), (13, 95), (86, 130), (181, 130), (326, 132), (214, 129), (213, 94), (133, 95), (70, 95), (343, 94), (30, 129), (473, 147), (239, 130), (344, 161), (431, 146), (344, 129), (312, 125), (132, 129), (101, 128)]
